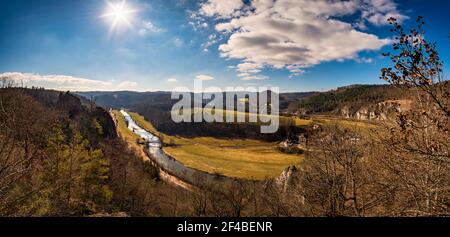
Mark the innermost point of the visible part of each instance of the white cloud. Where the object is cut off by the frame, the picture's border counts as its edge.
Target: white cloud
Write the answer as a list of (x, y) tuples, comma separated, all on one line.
[(197, 21), (204, 77), (172, 80), (221, 8), (252, 77), (249, 67), (178, 42), (148, 28), (63, 82), (295, 34), (296, 70), (128, 84), (377, 12), (364, 60), (212, 39)]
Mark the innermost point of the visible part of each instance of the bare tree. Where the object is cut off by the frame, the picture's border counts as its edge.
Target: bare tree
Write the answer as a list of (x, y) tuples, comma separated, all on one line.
[(231, 200), (274, 200), (418, 144), (337, 177)]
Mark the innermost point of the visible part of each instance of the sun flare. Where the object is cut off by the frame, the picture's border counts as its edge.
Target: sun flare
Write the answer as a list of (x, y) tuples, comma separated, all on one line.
[(119, 13)]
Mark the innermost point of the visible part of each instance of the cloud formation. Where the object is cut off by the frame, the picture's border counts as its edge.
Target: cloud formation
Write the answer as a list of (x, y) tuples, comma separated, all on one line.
[(204, 77), (296, 34), (378, 11), (63, 82), (178, 42), (222, 9), (148, 28)]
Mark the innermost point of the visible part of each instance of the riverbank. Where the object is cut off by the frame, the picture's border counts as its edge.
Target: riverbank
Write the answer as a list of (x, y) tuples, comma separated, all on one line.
[(238, 158)]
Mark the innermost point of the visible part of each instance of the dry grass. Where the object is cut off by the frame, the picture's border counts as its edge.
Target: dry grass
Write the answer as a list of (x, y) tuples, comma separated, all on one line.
[(127, 135), (245, 161), (241, 158)]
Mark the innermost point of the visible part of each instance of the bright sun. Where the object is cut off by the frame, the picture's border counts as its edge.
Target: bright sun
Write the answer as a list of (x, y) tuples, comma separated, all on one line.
[(119, 13)]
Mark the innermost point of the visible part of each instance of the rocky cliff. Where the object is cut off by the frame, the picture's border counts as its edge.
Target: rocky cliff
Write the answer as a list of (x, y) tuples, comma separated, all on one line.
[(379, 111)]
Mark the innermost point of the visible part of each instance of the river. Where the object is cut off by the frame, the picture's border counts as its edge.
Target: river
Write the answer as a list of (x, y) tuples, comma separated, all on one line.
[(169, 164)]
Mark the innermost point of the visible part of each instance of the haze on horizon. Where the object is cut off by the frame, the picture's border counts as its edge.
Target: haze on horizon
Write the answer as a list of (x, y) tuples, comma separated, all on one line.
[(157, 45)]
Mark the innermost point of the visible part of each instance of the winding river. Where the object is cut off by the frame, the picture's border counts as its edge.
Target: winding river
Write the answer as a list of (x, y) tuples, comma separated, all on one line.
[(169, 164)]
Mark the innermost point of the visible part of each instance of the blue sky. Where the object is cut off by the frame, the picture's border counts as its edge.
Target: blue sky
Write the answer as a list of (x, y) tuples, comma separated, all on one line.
[(168, 43)]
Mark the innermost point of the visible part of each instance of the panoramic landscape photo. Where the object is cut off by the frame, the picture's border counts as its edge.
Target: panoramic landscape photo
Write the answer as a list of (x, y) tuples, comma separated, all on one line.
[(224, 108)]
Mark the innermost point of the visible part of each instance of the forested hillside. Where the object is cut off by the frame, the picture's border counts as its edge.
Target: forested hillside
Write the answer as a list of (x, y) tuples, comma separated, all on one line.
[(59, 157), (351, 98), (354, 97), (156, 107)]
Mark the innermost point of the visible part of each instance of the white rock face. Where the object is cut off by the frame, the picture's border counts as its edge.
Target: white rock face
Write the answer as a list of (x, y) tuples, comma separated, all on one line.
[(285, 179), (380, 111)]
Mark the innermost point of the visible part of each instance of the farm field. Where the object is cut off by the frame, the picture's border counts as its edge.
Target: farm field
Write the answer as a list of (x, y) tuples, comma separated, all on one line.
[(297, 121), (283, 119), (241, 158)]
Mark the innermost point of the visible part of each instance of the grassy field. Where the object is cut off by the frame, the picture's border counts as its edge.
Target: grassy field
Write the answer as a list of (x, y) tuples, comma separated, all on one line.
[(122, 127), (243, 161), (283, 120), (363, 128), (242, 158), (127, 135), (348, 123)]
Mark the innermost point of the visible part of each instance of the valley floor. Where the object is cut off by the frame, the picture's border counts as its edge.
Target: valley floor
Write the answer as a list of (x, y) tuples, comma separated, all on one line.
[(240, 158)]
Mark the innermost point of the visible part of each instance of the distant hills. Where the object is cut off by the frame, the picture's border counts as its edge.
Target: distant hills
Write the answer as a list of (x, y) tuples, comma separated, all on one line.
[(355, 101), (331, 102)]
